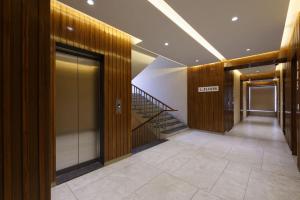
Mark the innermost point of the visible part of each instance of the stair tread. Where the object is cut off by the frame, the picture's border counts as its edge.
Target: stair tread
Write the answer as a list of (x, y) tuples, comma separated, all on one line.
[(168, 124), (168, 131)]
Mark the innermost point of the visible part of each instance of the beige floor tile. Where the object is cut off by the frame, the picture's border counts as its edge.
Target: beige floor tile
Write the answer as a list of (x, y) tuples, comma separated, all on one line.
[(251, 162), (201, 195), (269, 186), (202, 171), (62, 192), (118, 184), (233, 182), (165, 187)]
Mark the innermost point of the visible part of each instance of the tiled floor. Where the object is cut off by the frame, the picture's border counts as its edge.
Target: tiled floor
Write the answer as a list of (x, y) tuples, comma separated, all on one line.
[(252, 162)]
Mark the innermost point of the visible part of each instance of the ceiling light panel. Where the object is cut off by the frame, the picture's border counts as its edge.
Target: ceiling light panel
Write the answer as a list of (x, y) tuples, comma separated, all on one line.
[(167, 10), (234, 19), (90, 2)]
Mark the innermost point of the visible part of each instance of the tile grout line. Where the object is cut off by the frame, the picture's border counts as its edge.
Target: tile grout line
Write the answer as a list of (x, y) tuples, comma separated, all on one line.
[(247, 184), (198, 189), (140, 187), (219, 176), (263, 157), (72, 192)]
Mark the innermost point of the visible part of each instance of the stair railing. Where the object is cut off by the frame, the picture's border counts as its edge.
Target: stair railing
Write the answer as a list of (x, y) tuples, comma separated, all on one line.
[(154, 110)]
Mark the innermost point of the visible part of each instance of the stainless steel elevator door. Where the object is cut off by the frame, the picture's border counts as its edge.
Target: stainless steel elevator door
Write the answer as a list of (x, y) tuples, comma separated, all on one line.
[(77, 110), (66, 115), (88, 95)]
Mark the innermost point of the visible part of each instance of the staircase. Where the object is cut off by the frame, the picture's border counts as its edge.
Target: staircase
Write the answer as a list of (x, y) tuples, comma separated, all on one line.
[(157, 122)]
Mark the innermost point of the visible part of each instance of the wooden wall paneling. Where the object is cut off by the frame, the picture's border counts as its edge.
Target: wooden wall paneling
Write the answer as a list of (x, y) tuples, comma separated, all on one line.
[(1, 102), (241, 101), (297, 114), (107, 114), (128, 58), (239, 63), (53, 27), (205, 110), (25, 92), (290, 103), (118, 69), (228, 101), (93, 35), (259, 76)]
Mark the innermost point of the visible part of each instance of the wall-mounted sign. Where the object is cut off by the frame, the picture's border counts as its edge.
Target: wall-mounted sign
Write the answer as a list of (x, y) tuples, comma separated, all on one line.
[(208, 89)]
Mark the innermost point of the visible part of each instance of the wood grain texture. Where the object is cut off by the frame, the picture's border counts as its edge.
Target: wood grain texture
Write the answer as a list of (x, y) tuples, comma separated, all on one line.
[(248, 60), (25, 94), (258, 76), (291, 94), (241, 100), (228, 101), (262, 83), (206, 110), (1, 103), (95, 36)]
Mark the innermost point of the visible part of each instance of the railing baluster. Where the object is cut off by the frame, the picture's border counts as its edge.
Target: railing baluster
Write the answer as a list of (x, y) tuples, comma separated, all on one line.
[(155, 112)]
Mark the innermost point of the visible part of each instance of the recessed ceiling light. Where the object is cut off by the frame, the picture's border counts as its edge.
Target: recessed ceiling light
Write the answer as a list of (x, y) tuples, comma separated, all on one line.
[(234, 19), (167, 10), (248, 49), (70, 28), (197, 60), (166, 44), (90, 2)]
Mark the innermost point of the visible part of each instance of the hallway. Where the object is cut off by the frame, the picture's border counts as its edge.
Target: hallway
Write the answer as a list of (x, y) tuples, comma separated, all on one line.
[(252, 162)]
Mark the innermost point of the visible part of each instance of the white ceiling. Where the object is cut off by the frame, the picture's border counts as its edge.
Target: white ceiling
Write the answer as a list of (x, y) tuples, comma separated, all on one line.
[(260, 26)]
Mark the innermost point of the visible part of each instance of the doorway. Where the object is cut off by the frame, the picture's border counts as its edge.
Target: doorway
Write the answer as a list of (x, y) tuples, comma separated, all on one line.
[(78, 112)]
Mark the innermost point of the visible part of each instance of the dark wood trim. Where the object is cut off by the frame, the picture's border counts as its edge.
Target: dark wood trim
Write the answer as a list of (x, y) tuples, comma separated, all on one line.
[(1, 103), (272, 61), (258, 76)]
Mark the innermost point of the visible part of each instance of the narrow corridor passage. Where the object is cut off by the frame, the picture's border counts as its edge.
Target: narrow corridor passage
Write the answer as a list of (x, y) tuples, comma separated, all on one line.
[(251, 162)]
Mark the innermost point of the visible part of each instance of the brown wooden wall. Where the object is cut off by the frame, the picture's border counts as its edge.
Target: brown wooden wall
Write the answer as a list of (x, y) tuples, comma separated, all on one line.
[(95, 36), (291, 95), (206, 110), (291, 81), (24, 98), (228, 101)]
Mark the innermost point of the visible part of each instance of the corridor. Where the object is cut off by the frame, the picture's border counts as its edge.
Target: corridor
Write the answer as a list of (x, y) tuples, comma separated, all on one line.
[(251, 162)]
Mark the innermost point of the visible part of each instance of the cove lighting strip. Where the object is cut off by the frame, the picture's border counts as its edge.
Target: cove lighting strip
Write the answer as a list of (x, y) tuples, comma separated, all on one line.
[(179, 21), (292, 14)]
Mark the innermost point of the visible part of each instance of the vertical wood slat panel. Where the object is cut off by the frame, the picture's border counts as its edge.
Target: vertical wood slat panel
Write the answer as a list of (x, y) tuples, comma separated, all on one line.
[(206, 110), (1, 101), (25, 91), (292, 133), (115, 45)]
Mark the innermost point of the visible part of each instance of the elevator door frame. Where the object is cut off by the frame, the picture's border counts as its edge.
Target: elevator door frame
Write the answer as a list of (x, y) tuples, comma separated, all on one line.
[(74, 51)]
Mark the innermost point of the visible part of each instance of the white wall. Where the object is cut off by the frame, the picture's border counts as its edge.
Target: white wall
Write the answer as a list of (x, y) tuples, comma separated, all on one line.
[(236, 96), (166, 81), (139, 61)]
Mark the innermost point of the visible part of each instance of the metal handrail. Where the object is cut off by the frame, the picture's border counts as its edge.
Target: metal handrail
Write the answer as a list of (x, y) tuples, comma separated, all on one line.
[(142, 124), (152, 109), (147, 94)]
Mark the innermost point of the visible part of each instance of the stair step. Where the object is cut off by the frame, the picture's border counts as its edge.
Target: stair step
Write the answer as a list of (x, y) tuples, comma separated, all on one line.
[(167, 124), (169, 131), (166, 118)]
